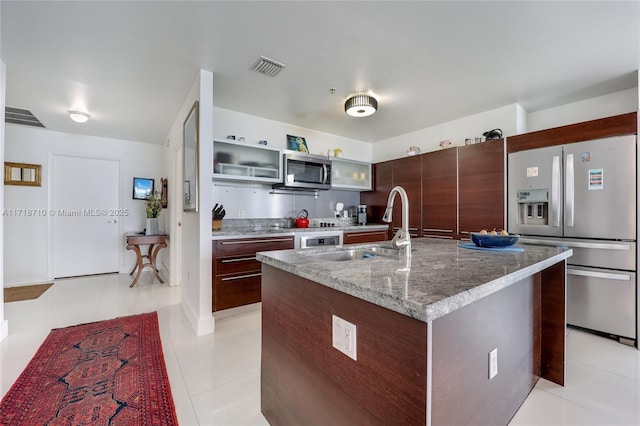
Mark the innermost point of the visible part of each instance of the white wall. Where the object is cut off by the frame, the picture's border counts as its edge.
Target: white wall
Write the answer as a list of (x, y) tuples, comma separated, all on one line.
[(29, 235), (191, 231), (256, 200), (254, 129), (590, 109), (427, 139), (4, 327)]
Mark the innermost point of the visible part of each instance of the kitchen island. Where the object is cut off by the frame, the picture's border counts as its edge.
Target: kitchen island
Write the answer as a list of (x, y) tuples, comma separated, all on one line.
[(424, 329)]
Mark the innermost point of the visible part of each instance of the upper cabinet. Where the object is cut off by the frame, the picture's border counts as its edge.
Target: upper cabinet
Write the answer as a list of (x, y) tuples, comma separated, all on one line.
[(407, 174), (481, 184), (440, 193), (376, 200), (350, 174), (241, 161)]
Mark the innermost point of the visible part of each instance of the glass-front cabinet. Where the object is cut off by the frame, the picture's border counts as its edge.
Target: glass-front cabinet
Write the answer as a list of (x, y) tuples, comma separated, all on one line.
[(241, 161), (350, 174)]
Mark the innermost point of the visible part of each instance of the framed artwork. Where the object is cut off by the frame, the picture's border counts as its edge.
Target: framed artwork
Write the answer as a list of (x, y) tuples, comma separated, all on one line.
[(22, 174), (297, 143), (164, 194), (142, 188), (190, 156)]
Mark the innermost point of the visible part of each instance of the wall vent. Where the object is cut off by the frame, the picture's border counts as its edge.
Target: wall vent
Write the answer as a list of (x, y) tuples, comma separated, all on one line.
[(21, 116), (268, 66)]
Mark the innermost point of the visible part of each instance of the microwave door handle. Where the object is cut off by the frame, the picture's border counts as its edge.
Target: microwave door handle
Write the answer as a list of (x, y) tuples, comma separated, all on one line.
[(555, 191), (324, 174), (570, 191)]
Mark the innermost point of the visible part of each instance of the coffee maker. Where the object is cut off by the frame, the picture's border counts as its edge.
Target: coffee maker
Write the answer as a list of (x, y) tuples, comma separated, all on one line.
[(362, 214)]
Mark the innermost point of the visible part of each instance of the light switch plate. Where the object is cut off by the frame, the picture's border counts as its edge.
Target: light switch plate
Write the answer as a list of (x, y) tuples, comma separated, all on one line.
[(493, 363), (344, 337)]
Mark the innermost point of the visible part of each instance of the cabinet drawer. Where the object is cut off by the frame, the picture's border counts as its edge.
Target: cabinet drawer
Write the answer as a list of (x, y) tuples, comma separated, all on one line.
[(236, 290), (235, 264), (365, 237), (251, 245)]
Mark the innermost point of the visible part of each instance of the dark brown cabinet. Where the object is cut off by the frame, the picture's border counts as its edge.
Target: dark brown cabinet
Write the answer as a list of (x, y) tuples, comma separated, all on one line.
[(376, 200), (360, 237), (236, 272), (451, 192), (439, 194), (481, 187), (407, 174)]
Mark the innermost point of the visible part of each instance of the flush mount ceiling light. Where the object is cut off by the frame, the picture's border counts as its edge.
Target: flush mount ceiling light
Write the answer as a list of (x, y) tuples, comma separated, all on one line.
[(361, 105), (78, 116)]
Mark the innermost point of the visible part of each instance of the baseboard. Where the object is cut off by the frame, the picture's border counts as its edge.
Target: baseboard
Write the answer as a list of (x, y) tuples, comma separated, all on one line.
[(240, 310), (200, 326)]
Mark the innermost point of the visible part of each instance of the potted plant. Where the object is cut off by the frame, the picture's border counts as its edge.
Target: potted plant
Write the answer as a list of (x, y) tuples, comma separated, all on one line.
[(153, 208)]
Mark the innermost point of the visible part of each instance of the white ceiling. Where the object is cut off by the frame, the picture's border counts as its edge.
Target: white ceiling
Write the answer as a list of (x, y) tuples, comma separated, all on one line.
[(131, 64)]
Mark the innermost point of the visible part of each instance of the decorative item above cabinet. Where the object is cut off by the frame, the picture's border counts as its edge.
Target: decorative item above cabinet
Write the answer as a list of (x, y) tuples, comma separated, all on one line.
[(241, 161), (350, 174)]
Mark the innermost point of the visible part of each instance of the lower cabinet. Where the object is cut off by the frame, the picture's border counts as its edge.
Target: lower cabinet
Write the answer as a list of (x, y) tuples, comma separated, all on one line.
[(236, 272), (359, 237)]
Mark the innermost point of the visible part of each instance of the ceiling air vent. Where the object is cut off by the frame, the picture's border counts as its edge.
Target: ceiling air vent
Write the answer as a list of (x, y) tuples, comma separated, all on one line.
[(21, 116), (268, 66)]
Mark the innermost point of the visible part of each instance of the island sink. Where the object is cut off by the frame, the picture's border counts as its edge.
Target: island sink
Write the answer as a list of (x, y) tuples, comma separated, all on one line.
[(347, 254)]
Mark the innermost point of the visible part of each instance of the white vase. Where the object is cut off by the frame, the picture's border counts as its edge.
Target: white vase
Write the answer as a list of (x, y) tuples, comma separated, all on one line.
[(152, 226)]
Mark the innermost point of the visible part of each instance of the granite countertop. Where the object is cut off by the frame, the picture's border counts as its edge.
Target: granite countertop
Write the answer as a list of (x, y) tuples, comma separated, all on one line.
[(264, 231), (439, 278)]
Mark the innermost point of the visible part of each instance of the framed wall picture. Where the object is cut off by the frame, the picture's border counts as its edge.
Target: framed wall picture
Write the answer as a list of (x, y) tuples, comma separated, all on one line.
[(164, 194), (190, 147), (22, 174), (142, 188), (297, 143)]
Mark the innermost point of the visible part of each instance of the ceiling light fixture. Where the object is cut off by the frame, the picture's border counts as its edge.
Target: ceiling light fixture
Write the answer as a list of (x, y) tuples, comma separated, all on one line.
[(78, 116), (361, 105)]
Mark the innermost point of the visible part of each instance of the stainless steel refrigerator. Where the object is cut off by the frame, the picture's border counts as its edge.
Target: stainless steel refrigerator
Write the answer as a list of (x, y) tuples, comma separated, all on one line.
[(583, 195)]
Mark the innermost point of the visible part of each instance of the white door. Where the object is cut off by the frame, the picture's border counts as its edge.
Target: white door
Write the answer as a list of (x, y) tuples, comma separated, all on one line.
[(85, 225)]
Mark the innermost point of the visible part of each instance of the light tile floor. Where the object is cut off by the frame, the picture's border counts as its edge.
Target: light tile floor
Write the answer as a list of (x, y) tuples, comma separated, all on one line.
[(215, 379)]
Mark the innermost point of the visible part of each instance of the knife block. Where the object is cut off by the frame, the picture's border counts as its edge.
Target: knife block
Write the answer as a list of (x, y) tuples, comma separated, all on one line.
[(216, 225)]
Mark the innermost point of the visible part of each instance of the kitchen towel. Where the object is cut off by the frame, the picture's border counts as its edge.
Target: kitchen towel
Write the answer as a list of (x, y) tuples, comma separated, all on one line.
[(508, 249)]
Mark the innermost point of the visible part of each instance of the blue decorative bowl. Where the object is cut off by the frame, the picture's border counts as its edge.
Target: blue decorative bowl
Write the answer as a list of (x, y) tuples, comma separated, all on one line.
[(486, 240)]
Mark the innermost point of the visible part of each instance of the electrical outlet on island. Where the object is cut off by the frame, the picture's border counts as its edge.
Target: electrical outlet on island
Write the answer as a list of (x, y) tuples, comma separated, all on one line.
[(344, 337)]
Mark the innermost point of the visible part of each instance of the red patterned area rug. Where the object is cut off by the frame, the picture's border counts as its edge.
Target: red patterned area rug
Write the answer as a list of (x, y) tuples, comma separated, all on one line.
[(103, 373)]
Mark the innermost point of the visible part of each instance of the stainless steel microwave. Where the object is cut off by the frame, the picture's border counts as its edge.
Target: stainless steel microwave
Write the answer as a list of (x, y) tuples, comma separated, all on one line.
[(305, 171)]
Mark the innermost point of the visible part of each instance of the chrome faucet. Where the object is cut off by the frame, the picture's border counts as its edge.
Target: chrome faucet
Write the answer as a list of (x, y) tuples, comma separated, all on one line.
[(401, 240)]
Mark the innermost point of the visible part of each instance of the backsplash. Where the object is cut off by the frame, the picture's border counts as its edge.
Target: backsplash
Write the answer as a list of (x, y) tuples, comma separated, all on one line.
[(253, 201), (263, 223)]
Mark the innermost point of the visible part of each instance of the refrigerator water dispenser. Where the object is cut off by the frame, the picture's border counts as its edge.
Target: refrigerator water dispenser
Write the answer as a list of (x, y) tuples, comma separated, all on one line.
[(533, 206)]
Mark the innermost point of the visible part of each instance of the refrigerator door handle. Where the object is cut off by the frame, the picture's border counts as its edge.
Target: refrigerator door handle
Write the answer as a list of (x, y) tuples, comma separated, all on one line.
[(604, 275), (555, 191), (576, 244), (570, 192)]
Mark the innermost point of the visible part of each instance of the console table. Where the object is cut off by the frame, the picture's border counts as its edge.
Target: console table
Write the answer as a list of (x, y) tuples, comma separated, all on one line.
[(155, 243)]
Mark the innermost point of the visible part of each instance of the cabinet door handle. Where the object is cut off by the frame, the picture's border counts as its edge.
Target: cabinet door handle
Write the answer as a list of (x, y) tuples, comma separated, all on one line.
[(273, 240), (239, 277), (238, 260), (436, 230), (603, 275), (366, 234)]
